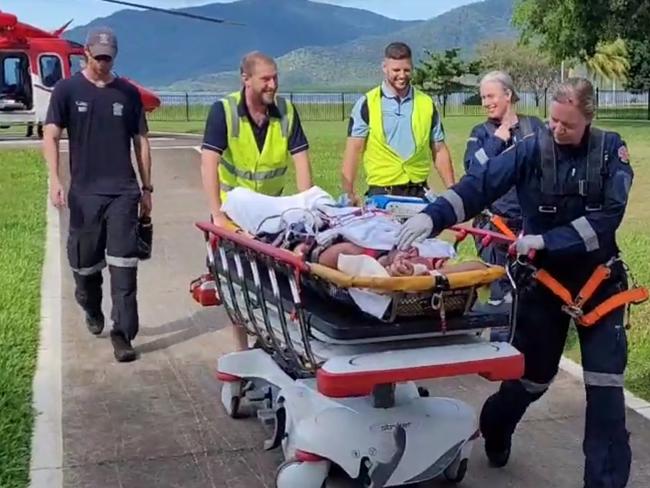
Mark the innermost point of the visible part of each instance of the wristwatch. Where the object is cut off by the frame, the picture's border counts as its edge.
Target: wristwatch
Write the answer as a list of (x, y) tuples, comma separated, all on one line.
[(148, 188)]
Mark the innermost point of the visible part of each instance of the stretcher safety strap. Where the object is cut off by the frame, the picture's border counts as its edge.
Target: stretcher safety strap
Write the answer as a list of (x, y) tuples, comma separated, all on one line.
[(91, 269), (456, 203), (586, 231), (461, 279), (604, 379), (122, 262)]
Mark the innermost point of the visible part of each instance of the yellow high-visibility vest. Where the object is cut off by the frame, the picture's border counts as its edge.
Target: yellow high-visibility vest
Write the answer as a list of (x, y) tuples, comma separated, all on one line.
[(383, 165)]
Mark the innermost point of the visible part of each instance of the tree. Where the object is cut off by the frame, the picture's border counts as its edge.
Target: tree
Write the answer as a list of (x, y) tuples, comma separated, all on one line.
[(610, 61), (529, 69), (638, 78), (573, 30), (441, 74)]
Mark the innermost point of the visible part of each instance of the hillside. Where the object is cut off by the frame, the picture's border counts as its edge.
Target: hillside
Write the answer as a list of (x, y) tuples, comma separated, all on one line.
[(357, 63), (158, 49)]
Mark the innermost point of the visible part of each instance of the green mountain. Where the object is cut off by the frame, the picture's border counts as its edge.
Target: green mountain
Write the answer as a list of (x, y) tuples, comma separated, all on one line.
[(158, 49), (357, 63)]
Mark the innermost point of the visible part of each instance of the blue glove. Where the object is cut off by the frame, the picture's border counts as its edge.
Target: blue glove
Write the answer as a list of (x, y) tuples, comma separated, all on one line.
[(415, 229)]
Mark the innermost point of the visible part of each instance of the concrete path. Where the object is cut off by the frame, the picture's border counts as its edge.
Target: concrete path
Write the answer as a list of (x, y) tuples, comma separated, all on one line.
[(157, 422)]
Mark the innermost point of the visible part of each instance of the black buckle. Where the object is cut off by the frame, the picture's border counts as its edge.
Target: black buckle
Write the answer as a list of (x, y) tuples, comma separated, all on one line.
[(547, 209)]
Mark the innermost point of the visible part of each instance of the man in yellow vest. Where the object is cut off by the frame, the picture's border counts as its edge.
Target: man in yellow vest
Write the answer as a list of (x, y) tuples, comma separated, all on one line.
[(249, 138), (397, 129)]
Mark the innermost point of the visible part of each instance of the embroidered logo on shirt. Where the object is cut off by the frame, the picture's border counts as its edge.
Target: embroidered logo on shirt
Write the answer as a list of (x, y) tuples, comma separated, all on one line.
[(81, 106), (117, 109)]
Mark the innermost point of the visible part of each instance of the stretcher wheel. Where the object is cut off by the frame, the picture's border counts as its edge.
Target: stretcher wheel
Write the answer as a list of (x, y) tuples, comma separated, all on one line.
[(456, 471), (294, 474)]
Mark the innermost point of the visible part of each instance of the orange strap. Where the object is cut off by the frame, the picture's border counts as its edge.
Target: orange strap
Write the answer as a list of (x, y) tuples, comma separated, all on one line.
[(574, 308), (502, 226), (601, 273), (555, 286), (635, 295)]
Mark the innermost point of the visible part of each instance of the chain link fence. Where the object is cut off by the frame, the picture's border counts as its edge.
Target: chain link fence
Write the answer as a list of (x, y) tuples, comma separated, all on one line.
[(195, 106)]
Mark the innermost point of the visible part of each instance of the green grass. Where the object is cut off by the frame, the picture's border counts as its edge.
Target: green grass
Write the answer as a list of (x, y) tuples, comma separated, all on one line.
[(22, 233), (22, 237)]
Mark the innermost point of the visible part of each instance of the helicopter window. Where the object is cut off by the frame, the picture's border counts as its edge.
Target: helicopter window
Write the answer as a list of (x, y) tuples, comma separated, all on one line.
[(51, 70), (77, 63), (13, 68)]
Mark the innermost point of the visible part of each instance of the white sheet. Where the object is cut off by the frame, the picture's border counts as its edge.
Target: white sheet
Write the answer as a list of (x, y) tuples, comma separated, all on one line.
[(257, 213)]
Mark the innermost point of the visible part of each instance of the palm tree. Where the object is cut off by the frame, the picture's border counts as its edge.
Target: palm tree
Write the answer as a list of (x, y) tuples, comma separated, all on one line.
[(610, 62)]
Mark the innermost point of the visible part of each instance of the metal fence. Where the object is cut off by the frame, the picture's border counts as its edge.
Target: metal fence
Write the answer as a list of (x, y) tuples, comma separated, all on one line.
[(337, 106)]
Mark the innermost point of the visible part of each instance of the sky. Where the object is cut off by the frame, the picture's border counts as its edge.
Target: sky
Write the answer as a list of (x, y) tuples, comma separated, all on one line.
[(50, 14)]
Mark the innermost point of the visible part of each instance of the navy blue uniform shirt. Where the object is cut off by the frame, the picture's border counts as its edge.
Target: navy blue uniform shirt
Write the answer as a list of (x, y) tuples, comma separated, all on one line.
[(215, 137), (483, 144), (101, 122), (572, 231)]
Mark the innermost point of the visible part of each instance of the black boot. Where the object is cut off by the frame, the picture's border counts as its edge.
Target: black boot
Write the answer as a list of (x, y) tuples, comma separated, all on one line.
[(122, 348), (95, 322), (497, 444)]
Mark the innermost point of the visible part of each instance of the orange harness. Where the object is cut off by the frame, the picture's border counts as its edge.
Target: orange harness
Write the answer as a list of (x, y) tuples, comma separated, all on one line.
[(635, 295)]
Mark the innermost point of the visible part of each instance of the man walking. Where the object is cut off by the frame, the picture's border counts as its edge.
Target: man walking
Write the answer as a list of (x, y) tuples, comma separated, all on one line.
[(102, 114), (249, 138), (396, 130)]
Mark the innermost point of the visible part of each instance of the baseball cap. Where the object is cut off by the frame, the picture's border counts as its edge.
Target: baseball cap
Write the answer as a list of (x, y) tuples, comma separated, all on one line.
[(101, 41)]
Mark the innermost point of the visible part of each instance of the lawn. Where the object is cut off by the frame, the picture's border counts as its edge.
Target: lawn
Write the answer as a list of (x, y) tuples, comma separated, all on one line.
[(327, 141), (22, 236)]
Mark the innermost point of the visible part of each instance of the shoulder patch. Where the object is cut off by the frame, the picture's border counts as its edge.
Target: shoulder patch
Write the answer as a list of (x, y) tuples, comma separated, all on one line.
[(623, 154)]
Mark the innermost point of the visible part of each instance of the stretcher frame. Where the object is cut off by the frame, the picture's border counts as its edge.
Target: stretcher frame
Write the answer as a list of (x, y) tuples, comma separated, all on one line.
[(227, 248)]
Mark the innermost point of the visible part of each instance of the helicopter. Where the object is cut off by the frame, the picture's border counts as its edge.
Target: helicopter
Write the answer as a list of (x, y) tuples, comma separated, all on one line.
[(33, 60)]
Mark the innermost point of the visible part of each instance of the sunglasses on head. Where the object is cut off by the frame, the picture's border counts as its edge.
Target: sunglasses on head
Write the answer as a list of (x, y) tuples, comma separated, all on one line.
[(103, 57)]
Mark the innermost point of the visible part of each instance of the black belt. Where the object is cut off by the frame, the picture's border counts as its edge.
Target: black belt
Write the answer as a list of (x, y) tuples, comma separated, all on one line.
[(406, 190)]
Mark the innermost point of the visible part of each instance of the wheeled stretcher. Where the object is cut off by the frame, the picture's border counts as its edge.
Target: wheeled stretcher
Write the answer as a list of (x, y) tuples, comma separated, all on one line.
[(337, 385)]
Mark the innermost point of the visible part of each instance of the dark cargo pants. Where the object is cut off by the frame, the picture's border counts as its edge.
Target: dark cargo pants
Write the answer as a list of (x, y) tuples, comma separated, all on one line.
[(540, 336), (103, 231)]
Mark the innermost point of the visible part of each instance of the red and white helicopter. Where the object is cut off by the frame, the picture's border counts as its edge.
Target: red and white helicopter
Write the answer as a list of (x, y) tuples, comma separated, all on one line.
[(33, 60)]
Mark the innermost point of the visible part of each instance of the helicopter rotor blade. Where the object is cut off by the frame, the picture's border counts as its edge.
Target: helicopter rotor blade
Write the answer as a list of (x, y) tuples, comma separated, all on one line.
[(173, 12)]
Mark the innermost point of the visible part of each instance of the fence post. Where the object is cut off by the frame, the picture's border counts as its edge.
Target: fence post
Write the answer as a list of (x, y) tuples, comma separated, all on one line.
[(343, 106), (545, 102), (187, 106)]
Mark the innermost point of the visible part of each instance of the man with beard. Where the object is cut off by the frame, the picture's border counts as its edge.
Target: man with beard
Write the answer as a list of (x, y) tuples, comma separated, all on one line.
[(249, 137), (397, 129), (102, 114)]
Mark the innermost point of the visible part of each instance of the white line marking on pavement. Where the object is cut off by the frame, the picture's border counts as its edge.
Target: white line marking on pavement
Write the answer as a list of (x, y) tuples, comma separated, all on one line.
[(632, 401), (47, 440)]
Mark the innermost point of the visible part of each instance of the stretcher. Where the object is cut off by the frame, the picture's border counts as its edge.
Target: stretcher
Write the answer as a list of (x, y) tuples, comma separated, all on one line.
[(337, 387)]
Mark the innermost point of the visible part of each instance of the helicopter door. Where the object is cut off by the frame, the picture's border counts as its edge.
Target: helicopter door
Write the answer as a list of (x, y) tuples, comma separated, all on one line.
[(50, 70), (15, 82)]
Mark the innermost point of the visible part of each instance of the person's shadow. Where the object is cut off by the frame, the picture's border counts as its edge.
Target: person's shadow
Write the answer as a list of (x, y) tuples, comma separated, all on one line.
[(203, 321)]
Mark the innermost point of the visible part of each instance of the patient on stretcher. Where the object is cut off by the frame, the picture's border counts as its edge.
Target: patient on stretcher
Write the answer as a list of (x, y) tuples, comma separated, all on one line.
[(313, 226), (396, 263)]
